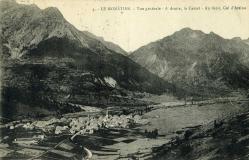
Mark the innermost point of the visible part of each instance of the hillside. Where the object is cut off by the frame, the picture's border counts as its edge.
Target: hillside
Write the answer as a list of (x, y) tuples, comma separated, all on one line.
[(222, 139), (194, 60)]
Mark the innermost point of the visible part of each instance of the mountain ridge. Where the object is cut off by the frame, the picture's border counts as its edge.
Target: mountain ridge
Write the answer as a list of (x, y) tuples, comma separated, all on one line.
[(59, 29), (108, 44), (191, 54)]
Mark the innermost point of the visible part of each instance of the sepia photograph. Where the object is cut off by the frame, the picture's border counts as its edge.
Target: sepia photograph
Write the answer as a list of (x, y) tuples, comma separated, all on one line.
[(124, 80)]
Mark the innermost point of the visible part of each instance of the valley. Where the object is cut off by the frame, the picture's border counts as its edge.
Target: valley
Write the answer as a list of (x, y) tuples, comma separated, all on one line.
[(121, 137), (70, 94)]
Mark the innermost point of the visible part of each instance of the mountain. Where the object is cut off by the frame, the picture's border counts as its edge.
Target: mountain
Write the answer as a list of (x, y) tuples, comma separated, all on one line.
[(32, 25), (47, 63), (191, 59)]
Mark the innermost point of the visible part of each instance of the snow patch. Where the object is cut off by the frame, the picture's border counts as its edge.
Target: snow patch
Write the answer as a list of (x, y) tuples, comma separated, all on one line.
[(110, 81)]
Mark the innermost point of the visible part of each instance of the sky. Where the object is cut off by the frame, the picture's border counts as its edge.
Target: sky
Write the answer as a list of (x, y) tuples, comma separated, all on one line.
[(134, 28)]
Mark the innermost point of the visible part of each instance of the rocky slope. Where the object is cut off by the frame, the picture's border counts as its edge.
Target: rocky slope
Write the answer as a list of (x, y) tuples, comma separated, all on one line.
[(222, 139), (205, 63), (48, 63)]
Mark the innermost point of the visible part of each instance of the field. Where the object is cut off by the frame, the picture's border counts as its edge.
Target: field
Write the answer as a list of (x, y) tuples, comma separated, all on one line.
[(169, 120)]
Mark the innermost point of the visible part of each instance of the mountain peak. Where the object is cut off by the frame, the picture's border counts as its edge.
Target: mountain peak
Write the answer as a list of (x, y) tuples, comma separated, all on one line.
[(186, 29), (189, 30), (188, 33), (52, 12)]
